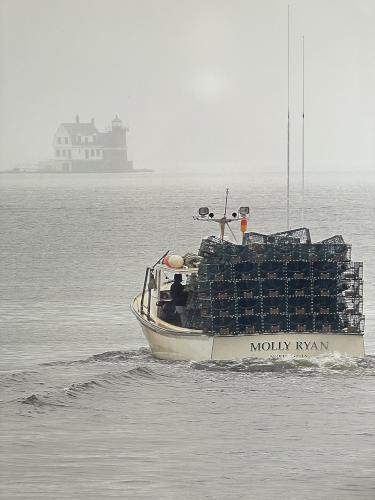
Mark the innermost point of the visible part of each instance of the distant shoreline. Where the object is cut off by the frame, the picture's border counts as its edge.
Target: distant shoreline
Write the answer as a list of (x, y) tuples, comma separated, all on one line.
[(20, 172)]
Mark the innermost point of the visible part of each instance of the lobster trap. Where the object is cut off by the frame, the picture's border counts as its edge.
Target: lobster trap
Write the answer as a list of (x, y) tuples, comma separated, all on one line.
[(280, 282)]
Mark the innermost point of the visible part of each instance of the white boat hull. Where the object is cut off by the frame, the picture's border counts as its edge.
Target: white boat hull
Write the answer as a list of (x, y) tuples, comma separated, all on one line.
[(174, 343)]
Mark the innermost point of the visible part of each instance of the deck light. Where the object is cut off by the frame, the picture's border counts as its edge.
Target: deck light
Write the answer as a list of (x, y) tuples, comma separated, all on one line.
[(244, 211)]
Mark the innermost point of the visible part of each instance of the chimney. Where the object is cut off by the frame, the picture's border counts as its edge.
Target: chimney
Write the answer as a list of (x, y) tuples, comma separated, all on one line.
[(77, 118)]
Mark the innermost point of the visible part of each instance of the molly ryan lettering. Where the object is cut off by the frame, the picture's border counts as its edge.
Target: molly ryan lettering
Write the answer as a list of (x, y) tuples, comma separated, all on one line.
[(286, 346)]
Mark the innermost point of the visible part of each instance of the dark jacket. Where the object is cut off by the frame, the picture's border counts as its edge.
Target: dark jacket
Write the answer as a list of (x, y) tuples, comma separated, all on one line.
[(179, 296)]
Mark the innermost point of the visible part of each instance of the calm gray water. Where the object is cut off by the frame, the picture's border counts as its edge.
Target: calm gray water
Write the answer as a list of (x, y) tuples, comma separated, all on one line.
[(87, 413)]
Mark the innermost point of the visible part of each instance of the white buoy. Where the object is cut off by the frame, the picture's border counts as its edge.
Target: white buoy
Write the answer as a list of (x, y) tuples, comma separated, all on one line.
[(173, 261)]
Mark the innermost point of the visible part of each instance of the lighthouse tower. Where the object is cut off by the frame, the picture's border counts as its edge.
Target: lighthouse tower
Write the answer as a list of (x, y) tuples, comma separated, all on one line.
[(115, 155)]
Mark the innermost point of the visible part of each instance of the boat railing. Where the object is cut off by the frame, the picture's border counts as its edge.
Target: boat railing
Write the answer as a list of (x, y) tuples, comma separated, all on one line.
[(149, 284), (144, 293)]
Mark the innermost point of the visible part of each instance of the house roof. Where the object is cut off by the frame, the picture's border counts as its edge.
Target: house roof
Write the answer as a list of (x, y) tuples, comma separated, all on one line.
[(80, 128)]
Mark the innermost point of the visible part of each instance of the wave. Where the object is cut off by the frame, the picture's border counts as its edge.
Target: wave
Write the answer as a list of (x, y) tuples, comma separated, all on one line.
[(76, 388), (118, 356), (8, 379), (145, 373), (107, 356), (110, 379), (58, 397), (39, 401)]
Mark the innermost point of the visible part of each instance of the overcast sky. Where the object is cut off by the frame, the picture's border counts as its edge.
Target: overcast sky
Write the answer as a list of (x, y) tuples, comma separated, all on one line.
[(200, 83)]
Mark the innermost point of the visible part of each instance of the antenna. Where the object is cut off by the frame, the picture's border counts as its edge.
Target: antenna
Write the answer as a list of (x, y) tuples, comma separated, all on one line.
[(303, 132), (226, 201), (288, 146)]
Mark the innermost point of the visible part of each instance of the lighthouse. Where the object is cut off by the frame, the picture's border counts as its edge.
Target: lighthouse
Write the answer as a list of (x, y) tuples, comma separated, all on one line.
[(81, 147)]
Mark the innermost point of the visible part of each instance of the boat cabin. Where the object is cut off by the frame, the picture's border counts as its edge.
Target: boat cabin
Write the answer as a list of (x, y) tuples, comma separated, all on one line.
[(157, 297)]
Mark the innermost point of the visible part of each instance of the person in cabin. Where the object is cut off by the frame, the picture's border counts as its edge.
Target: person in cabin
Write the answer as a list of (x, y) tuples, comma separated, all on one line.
[(179, 297)]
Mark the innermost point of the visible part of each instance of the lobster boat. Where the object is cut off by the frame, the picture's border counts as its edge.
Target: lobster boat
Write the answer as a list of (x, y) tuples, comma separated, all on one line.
[(272, 296)]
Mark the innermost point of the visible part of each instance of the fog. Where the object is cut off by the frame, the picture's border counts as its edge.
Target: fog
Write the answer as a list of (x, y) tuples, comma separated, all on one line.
[(201, 84)]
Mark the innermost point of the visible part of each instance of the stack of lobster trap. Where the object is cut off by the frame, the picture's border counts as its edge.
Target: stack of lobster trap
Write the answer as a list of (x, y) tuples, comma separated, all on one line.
[(276, 283)]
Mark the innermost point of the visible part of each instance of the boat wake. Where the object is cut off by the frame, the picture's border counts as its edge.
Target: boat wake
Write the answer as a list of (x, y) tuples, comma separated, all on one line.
[(327, 363), (105, 373)]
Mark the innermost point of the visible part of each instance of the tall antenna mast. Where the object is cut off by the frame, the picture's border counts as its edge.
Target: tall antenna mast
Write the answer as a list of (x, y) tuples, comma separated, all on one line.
[(303, 131), (226, 201), (288, 146)]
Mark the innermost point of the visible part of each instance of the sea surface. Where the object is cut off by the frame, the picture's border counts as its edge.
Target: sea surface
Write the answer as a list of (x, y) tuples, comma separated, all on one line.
[(87, 413)]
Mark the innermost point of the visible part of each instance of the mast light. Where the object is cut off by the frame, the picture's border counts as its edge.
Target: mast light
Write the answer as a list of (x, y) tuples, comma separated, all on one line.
[(204, 211)]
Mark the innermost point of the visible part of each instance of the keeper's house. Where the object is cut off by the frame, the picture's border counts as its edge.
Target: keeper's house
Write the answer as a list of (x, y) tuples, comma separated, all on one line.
[(80, 147)]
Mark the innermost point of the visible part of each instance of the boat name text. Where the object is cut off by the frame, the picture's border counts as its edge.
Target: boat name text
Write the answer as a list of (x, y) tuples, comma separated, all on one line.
[(286, 346)]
